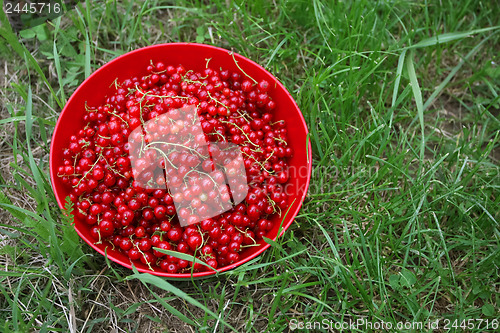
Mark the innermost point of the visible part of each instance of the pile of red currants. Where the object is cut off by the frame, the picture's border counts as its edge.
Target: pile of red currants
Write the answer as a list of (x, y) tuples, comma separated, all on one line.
[(127, 192)]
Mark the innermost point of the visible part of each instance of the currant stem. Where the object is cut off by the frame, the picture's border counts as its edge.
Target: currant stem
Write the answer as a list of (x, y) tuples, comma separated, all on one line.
[(174, 144), (88, 172), (236, 63), (165, 156), (217, 101), (281, 140), (259, 163), (242, 132)]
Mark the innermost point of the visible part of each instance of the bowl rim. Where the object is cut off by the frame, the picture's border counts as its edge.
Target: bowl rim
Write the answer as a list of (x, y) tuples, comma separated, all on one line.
[(203, 274)]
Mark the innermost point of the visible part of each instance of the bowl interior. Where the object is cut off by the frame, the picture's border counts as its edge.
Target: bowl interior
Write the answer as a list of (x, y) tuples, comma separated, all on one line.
[(192, 56)]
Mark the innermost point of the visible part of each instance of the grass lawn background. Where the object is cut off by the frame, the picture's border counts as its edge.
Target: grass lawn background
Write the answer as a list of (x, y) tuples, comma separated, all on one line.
[(401, 220)]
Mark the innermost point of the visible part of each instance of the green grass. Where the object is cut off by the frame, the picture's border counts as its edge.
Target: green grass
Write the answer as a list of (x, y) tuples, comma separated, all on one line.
[(401, 220)]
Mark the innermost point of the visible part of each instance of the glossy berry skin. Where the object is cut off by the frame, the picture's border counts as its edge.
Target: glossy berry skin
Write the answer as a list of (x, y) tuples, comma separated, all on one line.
[(194, 241), (145, 244), (125, 244), (174, 234)]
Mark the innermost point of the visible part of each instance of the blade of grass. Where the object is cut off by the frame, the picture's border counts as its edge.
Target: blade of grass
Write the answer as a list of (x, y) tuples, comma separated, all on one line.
[(184, 256), (399, 72), (57, 62), (445, 38), (454, 71), (277, 299), (276, 51), (160, 283), (87, 67), (171, 309), (320, 17), (417, 93)]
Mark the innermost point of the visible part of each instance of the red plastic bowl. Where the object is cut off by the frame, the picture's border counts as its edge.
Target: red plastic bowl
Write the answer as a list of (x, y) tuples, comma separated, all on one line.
[(192, 56)]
